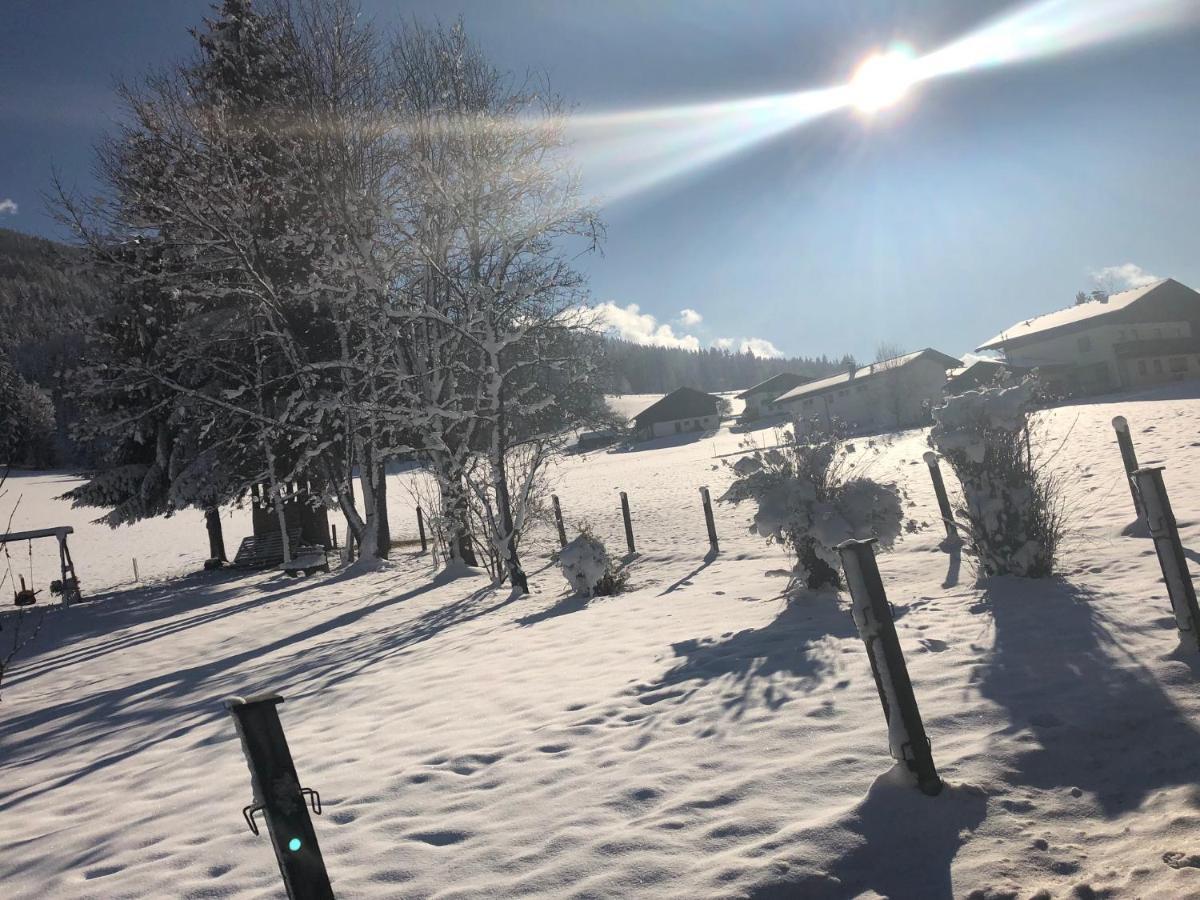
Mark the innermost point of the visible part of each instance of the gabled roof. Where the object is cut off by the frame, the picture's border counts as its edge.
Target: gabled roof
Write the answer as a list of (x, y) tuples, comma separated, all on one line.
[(981, 371), (684, 403), (775, 385), (1082, 314), (866, 372)]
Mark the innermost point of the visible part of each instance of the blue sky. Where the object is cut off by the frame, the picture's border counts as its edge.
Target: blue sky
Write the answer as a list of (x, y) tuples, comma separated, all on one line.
[(984, 197)]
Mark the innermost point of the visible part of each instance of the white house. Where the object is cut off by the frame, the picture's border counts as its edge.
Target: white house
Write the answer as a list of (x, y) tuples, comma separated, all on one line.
[(1132, 339), (894, 393), (680, 411), (760, 399)]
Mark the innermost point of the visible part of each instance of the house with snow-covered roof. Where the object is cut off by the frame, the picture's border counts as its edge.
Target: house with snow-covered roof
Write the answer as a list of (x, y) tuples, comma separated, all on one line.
[(760, 399), (683, 410), (1128, 340), (893, 393)]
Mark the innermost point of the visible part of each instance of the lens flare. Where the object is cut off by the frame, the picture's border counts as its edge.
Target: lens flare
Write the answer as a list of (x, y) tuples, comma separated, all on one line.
[(883, 79), (623, 153)]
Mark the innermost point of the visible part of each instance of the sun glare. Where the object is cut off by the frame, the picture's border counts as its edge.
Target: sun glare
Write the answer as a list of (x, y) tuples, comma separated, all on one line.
[(883, 79)]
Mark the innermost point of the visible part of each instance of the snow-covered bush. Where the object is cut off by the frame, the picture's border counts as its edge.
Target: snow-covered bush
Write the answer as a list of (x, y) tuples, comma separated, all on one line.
[(588, 568), (1012, 508), (810, 498)]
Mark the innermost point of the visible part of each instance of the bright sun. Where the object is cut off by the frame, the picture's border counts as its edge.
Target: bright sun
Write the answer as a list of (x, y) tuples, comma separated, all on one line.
[(882, 79)]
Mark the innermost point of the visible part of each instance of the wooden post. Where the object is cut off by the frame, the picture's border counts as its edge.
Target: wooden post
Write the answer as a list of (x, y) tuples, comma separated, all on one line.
[(1163, 528), (1129, 459), (136, 577), (558, 520), (873, 617), (421, 529), (279, 797), (708, 520), (334, 529), (939, 488), (628, 522)]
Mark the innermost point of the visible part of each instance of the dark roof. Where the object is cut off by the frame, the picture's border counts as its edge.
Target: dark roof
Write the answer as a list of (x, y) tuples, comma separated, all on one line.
[(875, 369), (980, 372), (1074, 317), (685, 403), (775, 385)]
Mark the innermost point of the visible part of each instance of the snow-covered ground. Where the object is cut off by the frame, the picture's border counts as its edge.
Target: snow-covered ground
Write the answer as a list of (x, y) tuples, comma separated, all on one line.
[(698, 736)]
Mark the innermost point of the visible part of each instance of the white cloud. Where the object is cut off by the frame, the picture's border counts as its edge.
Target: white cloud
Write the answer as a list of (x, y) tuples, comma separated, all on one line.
[(758, 346), (8, 206), (631, 324), (1124, 277)]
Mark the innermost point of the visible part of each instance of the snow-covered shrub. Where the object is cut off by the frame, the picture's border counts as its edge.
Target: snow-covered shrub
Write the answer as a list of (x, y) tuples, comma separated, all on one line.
[(588, 568), (810, 498), (1012, 508)]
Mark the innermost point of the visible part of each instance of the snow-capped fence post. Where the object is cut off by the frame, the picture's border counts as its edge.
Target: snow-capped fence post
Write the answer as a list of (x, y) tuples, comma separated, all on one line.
[(1129, 457), (939, 488), (873, 616), (279, 797), (136, 576), (628, 522), (558, 520), (708, 520), (1161, 522), (421, 529)]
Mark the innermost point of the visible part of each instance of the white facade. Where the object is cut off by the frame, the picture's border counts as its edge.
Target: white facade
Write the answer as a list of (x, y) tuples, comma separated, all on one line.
[(1094, 353), (679, 426), (887, 399)]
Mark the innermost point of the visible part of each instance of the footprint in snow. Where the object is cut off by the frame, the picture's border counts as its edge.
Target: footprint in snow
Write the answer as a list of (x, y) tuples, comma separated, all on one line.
[(439, 838), (932, 645), (1177, 859)]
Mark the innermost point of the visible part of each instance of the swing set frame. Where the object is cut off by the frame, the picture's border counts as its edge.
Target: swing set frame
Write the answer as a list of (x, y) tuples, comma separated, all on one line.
[(67, 586)]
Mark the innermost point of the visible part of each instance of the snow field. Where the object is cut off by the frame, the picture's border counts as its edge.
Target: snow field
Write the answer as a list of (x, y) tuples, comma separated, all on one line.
[(697, 736)]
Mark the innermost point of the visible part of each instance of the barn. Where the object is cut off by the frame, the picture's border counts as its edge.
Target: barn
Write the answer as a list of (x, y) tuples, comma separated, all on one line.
[(1128, 340), (683, 410)]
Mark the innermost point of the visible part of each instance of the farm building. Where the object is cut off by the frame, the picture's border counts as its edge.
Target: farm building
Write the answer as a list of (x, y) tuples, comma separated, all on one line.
[(680, 411), (760, 399), (893, 393), (980, 373), (1129, 340)]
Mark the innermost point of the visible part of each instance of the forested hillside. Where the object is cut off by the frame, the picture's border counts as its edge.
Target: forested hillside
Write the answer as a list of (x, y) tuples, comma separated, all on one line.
[(43, 297), (639, 369)]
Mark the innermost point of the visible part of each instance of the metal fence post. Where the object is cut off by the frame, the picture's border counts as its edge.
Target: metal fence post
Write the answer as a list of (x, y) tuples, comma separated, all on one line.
[(279, 797), (1129, 458), (939, 488), (558, 520), (421, 529), (628, 522), (873, 617), (708, 520), (1161, 521)]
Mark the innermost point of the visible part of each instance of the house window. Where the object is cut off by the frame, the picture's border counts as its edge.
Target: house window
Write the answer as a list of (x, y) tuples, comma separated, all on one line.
[(1158, 366), (1142, 367), (1178, 363), (808, 402), (678, 427), (1085, 344)]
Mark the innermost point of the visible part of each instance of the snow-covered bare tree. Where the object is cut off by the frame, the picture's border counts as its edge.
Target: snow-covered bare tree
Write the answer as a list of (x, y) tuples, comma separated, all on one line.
[(493, 208)]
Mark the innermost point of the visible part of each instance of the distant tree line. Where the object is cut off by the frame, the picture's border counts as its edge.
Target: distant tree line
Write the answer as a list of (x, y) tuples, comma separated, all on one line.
[(639, 369)]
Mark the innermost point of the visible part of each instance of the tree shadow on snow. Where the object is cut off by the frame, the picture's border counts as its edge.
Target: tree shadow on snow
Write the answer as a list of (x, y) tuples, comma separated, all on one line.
[(1101, 724), (902, 844), (307, 661), (794, 643)]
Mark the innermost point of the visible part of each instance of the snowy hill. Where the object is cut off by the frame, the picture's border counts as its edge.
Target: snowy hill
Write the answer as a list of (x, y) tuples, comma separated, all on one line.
[(698, 736)]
